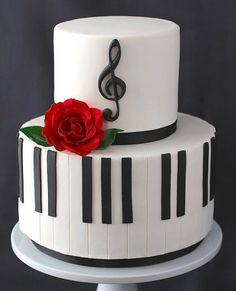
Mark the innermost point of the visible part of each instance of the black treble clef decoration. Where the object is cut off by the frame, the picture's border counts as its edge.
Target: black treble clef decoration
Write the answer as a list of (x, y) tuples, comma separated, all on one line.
[(115, 83)]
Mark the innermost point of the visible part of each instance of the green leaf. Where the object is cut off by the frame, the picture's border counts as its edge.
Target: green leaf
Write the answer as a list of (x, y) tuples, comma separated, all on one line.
[(109, 138), (35, 134)]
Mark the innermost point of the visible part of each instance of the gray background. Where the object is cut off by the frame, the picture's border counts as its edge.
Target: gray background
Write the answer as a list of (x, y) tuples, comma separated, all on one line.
[(207, 89)]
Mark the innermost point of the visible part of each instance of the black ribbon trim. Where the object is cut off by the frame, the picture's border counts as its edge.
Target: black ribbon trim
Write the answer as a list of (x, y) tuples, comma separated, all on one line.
[(117, 263), (126, 138)]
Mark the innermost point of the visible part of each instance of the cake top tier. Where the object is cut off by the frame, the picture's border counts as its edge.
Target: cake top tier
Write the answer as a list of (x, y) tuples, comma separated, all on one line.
[(118, 26), (125, 66)]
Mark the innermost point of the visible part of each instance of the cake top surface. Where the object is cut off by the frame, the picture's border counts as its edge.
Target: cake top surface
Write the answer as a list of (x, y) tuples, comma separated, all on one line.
[(119, 26)]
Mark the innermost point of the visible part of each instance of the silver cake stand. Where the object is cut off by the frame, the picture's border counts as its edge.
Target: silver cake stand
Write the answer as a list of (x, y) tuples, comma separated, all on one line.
[(115, 279)]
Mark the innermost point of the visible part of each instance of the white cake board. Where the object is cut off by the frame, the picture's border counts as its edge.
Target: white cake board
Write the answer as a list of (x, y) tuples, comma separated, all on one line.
[(115, 279)]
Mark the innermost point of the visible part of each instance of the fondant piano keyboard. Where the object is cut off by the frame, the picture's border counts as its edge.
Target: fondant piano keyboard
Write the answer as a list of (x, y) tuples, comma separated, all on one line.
[(113, 205), (106, 183)]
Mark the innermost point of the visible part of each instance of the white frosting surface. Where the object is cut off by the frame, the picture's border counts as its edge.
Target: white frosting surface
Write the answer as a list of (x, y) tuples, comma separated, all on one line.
[(149, 65)]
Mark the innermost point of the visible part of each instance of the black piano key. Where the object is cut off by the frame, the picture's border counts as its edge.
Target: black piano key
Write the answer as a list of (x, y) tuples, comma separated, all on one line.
[(213, 168), (181, 183), (126, 176), (106, 190), (17, 164), (165, 185), (20, 169), (52, 183), (205, 174), (37, 180), (87, 189)]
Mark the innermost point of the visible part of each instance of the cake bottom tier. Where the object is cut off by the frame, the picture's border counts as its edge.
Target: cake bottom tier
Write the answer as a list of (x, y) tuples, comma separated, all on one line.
[(122, 203)]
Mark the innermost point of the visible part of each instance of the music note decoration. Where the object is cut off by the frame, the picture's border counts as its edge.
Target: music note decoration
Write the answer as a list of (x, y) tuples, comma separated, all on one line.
[(110, 86)]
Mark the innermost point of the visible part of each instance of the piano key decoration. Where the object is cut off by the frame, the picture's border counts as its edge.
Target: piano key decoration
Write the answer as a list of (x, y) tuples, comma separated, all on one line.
[(37, 179), (106, 190), (52, 183), (127, 190), (20, 169), (213, 168), (165, 186), (126, 183), (181, 183), (87, 189), (205, 174)]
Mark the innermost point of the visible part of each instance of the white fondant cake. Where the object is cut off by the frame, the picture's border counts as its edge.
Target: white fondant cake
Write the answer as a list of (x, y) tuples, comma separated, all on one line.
[(133, 201)]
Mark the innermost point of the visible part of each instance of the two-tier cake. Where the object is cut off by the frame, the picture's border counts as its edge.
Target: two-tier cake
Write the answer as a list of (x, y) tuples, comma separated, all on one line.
[(112, 175)]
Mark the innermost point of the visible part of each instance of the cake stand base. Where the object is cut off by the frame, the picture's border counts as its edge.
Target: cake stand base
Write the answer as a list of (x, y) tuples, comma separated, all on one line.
[(115, 279), (117, 287)]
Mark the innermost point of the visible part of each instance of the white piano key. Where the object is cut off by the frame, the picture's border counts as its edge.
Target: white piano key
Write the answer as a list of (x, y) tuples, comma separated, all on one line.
[(207, 217), (137, 231), (173, 225), (32, 220), (97, 232), (78, 229), (22, 217), (61, 222), (156, 228), (46, 221), (117, 232), (191, 225)]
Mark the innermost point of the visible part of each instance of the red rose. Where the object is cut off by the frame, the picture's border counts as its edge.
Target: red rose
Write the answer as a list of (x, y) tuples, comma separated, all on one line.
[(72, 125)]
